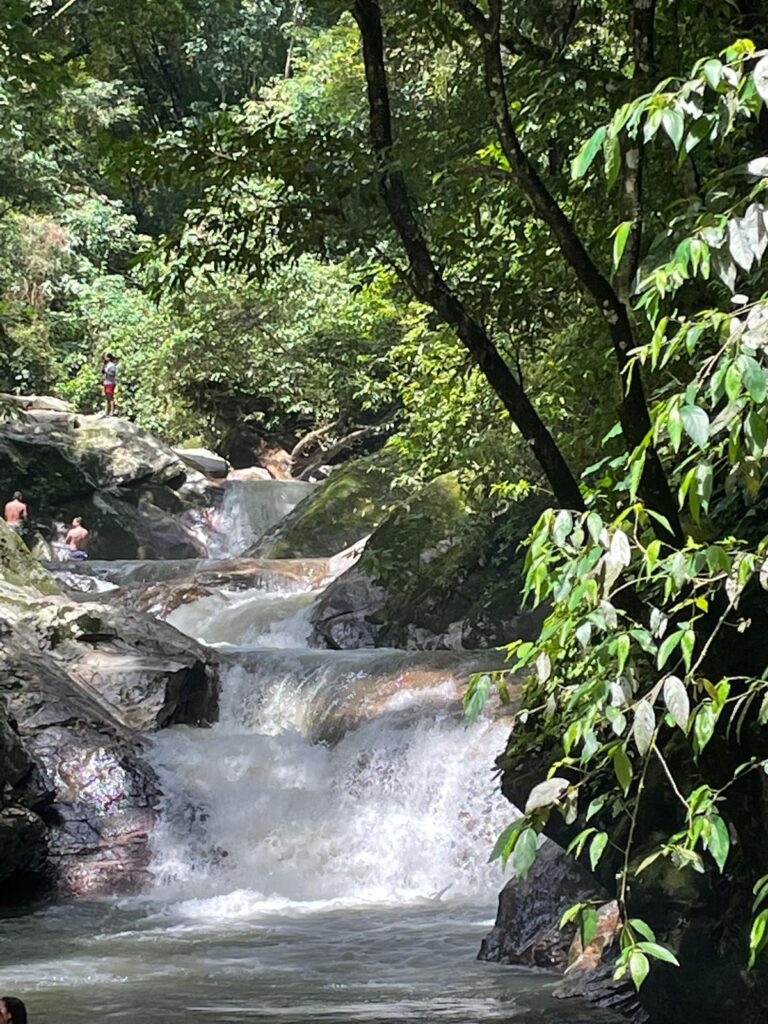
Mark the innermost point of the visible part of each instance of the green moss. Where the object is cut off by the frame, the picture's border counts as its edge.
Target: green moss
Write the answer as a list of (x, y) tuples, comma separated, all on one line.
[(346, 507), (18, 568), (439, 562)]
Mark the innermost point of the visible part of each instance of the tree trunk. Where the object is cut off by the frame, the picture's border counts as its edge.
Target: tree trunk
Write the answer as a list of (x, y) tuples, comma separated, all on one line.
[(633, 411), (430, 286)]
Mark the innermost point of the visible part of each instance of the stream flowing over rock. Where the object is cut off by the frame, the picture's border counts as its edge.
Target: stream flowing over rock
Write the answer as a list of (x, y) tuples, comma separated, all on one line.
[(213, 733)]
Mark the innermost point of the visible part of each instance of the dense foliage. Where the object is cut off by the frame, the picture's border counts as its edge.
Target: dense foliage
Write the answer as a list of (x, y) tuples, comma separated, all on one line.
[(488, 231)]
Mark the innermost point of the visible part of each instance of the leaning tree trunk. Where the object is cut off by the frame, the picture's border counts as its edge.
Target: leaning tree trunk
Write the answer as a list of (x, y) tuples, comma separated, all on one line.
[(429, 284)]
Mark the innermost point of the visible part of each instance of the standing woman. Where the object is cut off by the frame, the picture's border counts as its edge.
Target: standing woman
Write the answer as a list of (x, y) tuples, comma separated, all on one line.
[(12, 1011), (109, 374)]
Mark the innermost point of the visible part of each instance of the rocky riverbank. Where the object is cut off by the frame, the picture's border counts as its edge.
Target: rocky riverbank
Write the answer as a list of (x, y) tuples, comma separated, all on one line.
[(80, 684)]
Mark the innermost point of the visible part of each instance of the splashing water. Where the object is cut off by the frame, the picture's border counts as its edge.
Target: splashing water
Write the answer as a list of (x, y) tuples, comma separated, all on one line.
[(321, 854)]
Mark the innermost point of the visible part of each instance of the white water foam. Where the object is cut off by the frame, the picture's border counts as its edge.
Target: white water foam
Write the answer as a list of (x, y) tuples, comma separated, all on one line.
[(396, 805)]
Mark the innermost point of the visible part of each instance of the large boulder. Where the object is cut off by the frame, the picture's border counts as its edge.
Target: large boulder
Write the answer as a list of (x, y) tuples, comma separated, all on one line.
[(342, 510), (527, 932), (204, 461), (434, 574), (121, 480)]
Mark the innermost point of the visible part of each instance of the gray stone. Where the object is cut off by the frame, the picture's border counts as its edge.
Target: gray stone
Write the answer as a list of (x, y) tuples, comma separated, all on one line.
[(204, 461)]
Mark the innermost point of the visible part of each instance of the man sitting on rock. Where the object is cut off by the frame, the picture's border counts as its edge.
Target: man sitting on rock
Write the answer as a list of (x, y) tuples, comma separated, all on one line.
[(77, 541), (16, 513)]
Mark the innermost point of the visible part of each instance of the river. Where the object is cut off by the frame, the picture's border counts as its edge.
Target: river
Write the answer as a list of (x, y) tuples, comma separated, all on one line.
[(322, 850)]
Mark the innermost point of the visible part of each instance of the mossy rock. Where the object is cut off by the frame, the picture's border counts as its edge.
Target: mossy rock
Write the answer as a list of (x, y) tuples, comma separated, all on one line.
[(18, 569), (342, 510), (435, 573)]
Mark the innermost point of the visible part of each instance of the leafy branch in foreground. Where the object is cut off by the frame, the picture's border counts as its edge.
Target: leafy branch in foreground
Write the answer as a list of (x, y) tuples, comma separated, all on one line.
[(648, 676)]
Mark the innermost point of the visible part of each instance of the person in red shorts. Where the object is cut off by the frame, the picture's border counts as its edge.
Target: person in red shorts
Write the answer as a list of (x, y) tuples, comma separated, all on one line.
[(109, 375)]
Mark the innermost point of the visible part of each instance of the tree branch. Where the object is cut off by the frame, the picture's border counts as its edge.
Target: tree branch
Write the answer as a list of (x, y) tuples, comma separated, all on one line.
[(429, 284), (633, 411)]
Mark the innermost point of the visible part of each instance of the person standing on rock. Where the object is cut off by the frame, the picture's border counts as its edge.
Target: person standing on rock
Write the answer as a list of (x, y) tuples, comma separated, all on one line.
[(12, 1010), (16, 513), (77, 542), (109, 376)]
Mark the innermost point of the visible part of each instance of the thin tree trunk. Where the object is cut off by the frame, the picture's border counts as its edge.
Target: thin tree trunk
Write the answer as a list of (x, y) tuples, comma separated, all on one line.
[(428, 282), (633, 411)]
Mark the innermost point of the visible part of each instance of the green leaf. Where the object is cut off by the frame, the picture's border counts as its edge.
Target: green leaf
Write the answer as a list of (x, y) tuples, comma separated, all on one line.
[(596, 848), (674, 126), (642, 929), (620, 236), (638, 967), (644, 726), (612, 157), (695, 424), (524, 853), (571, 914), (687, 645), (546, 793), (623, 768), (677, 701), (733, 381), (704, 725), (667, 647), (754, 378), (589, 921), (719, 841), (505, 842), (563, 527), (659, 952), (757, 937), (583, 159)]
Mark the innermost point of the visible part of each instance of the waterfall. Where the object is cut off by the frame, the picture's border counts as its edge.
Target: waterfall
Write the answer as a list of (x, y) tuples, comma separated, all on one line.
[(249, 509), (332, 778), (321, 852)]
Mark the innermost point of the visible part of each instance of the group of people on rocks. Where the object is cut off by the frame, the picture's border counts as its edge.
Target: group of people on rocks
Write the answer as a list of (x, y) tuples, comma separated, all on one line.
[(16, 515), (16, 511)]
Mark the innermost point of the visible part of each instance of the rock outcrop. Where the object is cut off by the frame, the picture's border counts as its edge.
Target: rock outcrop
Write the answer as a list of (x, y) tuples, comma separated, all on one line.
[(342, 510), (129, 488), (79, 685), (433, 575)]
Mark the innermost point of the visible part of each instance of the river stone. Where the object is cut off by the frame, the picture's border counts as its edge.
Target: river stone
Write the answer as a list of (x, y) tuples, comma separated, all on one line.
[(204, 461), (122, 481), (36, 402), (77, 683)]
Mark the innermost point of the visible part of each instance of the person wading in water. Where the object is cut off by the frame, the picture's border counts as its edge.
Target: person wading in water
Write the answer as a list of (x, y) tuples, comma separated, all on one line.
[(109, 375)]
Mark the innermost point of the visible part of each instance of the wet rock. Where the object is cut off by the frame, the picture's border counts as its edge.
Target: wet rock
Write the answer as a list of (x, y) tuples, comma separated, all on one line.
[(204, 461), (434, 575), (527, 932), (119, 478), (79, 684), (339, 512), (250, 473), (527, 923)]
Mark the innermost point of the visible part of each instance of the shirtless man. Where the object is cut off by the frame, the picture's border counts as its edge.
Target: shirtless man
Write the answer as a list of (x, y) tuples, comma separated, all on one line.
[(16, 513), (77, 540)]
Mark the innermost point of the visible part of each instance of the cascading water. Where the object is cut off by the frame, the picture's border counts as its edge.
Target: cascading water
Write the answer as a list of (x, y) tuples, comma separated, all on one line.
[(249, 509), (321, 852)]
